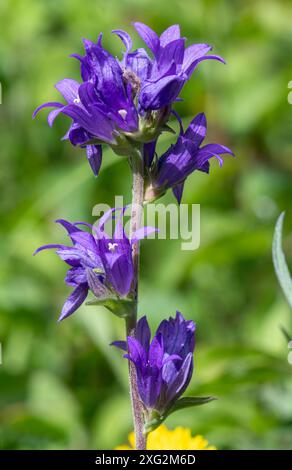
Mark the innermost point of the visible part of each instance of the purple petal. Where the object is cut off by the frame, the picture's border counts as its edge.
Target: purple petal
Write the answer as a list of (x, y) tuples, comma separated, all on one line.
[(175, 113), (49, 104), (155, 95), (126, 39), (96, 284), (197, 129), (182, 379), (121, 274), (99, 39), (68, 89), (149, 386), (192, 53), (53, 114), (170, 34), (78, 135), (49, 247), (143, 232), (95, 122), (85, 72), (171, 358), (201, 59), (172, 52), (71, 256), (178, 191), (156, 351), (71, 228), (85, 239), (140, 63), (75, 299), (209, 151), (120, 345), (149, 36), (178, 335), (136, 352), (119, 229), (143, 333), (149, 153), (76, 276), (94, 155)]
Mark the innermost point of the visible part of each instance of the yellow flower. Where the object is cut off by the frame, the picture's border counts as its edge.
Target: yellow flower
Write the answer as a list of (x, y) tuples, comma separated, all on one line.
[(166, 439)]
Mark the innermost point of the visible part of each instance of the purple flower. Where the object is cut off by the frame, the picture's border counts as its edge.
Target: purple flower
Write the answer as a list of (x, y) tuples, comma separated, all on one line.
[(171, 67), (123, 102), (164, 365), (184, 157), (100, 108), (98, 263)]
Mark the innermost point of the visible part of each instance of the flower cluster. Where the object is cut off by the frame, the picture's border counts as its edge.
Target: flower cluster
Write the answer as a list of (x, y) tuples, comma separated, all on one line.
[(98, 262), (125, 103), (183, 158), (164, 366)]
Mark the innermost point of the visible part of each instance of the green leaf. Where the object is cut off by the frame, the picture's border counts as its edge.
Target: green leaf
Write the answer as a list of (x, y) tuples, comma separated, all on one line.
[(123, 308), (167, 128), (156, 419), (279, 260), (187, 402), (285, 333), (281, 267)]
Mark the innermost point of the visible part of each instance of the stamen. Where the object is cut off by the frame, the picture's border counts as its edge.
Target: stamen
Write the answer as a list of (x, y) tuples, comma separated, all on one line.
[(77, 100), (112, 246), (123, 113)]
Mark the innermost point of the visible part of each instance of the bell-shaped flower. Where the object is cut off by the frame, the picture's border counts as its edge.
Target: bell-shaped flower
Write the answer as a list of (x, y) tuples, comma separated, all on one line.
[(164, 365), (183, 158), (98, 262)]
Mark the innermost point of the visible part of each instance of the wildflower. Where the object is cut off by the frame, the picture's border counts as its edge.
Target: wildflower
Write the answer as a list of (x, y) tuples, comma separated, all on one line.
[(164, 366), (97, 262), (165, 439), (171, 67), (183, 158), (122, 102)]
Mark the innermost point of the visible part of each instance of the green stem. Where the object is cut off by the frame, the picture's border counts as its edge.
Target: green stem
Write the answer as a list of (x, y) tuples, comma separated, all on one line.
[(136, 218)]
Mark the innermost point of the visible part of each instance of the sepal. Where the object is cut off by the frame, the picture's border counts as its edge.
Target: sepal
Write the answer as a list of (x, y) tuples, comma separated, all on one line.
[(187, 402), (156, 419), (122, 308)]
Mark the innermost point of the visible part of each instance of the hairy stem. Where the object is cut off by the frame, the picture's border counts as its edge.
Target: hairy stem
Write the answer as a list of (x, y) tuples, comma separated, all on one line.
[(136, 218)]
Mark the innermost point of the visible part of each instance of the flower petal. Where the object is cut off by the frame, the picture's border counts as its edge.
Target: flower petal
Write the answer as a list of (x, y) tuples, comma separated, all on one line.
[(125, 37), (192, 53), (178, 191), (94, 156), (201, 59), (120, 345), (49, 247), (53, 114), (170, 34), (197, 129), (155, 95), (143, 232), (149, 36), (49, 104), (143, 333), (68, 89), (209, 151), (73, 302)]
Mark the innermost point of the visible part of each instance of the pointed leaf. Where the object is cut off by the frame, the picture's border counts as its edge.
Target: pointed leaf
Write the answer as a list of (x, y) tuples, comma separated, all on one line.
[(279, 260), (123, 308), (187, 402)]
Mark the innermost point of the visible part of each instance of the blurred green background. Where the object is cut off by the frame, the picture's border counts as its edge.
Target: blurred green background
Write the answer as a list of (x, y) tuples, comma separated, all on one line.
[(61, 385)]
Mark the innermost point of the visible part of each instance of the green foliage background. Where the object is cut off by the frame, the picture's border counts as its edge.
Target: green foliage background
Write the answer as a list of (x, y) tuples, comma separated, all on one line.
[(61, 386)]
